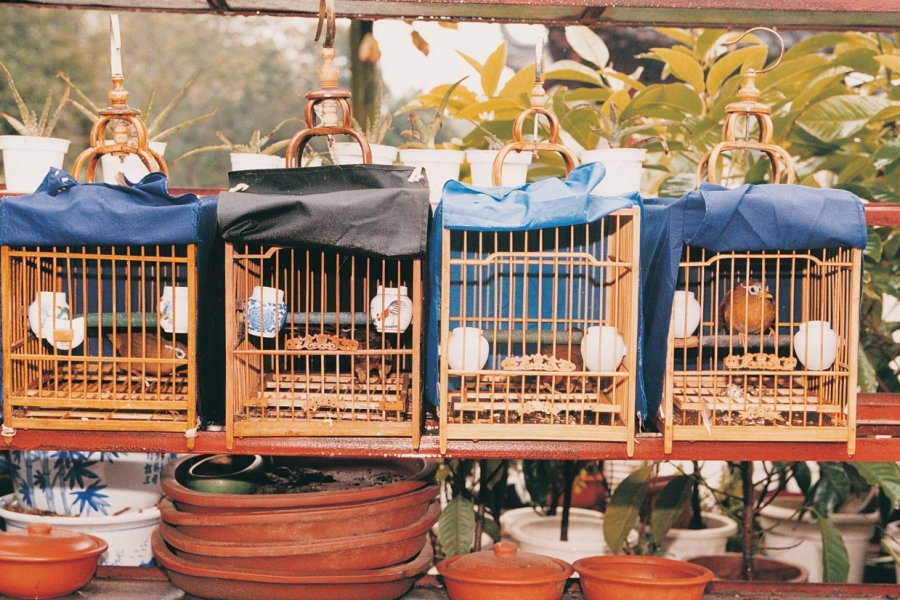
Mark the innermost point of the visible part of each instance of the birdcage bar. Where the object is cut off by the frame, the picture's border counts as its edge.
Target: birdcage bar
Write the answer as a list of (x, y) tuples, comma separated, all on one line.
[(78, 376), (532, 294), (329, 372), (726, 383)]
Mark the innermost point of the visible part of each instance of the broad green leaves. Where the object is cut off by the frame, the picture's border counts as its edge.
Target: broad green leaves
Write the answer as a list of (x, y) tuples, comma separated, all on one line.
[(682, 65), (588, 45), (751, 57), (835, 560), (624, 507), (456, 526), (840, 117)]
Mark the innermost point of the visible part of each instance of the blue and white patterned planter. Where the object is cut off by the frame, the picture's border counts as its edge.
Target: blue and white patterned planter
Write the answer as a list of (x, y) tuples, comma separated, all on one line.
[(127, 534), (86, 483)]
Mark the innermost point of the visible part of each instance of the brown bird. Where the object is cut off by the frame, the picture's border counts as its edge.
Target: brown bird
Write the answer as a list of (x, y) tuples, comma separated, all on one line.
[(566, 383), (748, 308), (148, 347)]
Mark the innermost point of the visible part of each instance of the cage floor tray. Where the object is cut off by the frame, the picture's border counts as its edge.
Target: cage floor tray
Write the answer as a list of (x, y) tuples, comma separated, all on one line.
[(330, 395)]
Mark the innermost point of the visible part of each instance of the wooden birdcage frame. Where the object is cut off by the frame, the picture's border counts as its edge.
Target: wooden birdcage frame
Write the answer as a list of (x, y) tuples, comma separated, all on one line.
[(329, 371), (532, 294), (119, 369), (738, 377)]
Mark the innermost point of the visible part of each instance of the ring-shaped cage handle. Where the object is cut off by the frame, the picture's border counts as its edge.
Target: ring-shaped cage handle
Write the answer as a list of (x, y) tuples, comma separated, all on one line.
[(781, 162), (302, 138), (91, 156), (520, 145)]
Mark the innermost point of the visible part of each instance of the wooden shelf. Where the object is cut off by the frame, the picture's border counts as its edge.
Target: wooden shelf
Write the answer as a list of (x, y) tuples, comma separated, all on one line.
[(808, 14)]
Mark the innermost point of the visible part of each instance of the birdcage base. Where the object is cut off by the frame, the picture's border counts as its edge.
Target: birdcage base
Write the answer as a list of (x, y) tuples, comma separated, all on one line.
[(329, 397), (70, 395)]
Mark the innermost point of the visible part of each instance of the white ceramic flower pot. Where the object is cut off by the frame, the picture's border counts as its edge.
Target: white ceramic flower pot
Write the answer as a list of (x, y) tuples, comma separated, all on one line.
[(467, 349), (127, 534), (801, 542), (349, 153), (539, 534), (246, 161), (682, 544), (266, 311), (27, 158), (515, 167), (440, 167), (131, 166), (86, 483), (623, 169), (602, 349), (815, 344), (685, 314), (173, 309), (391, 309)]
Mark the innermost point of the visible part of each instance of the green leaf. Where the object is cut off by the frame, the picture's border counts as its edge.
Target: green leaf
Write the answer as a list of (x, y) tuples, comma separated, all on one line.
[(751, 57), (519, 85), (832, 489), (597, 95), (456, 526), (826, 84), (889, 113), (682, 66), (891, 61), (587, 45), (885, 475), (835, 560), (815, 42), (679, 35), (493, 68), (569, 70), (669, 506), (503, 109), (859, 59), (873, 247), (629, 81), (839, 117), (706, 41), (674, 95), (624, 507)]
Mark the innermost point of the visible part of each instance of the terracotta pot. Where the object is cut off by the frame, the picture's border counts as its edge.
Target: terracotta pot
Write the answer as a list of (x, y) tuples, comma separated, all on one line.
[(302, 525), (355, 552), (45, 562), (728, 566), (220, 583), (351, 485), (624, 577), (504, 574)]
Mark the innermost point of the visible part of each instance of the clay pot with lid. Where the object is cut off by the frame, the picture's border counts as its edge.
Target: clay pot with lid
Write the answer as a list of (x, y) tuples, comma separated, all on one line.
[(504, 573), (45, 562)]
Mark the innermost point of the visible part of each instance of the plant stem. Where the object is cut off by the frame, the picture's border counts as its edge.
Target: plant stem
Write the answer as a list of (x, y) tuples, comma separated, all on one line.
[(748, 534), (696, 509), (479, 522), (569, 472)]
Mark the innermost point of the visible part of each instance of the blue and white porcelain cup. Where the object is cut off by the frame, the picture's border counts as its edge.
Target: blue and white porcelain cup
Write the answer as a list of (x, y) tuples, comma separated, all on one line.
[(266, 311), (47, 306)]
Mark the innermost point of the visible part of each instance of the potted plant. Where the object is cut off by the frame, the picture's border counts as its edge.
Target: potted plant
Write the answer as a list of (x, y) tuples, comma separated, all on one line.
[(473, 494), (375, 132), (131, 165), (257, 153), (440, 164), (29, 155), (834, 515), (481, 163), (670, 520), (548, 527)]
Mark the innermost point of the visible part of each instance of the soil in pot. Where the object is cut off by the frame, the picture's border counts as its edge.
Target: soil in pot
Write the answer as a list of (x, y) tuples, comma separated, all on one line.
[(727, 566)]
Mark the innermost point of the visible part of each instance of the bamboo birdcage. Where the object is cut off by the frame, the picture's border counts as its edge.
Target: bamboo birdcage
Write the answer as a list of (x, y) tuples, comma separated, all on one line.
[(330, 371), (744, 373), (532, 294), (118, 351)]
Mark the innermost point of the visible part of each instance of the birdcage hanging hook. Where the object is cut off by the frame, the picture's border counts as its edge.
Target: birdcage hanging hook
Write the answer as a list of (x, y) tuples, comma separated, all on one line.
[(129, 132), (748, 106)]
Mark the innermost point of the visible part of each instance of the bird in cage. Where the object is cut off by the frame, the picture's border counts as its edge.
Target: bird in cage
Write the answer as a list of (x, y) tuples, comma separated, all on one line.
[(342, 343), (147, 346), (748, 308)]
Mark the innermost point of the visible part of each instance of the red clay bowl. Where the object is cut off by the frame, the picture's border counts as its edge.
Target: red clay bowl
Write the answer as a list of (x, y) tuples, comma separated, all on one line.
[(357, 553), (220, 583), (356, 480), (628, 577), (302, 525), (46, 562)]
